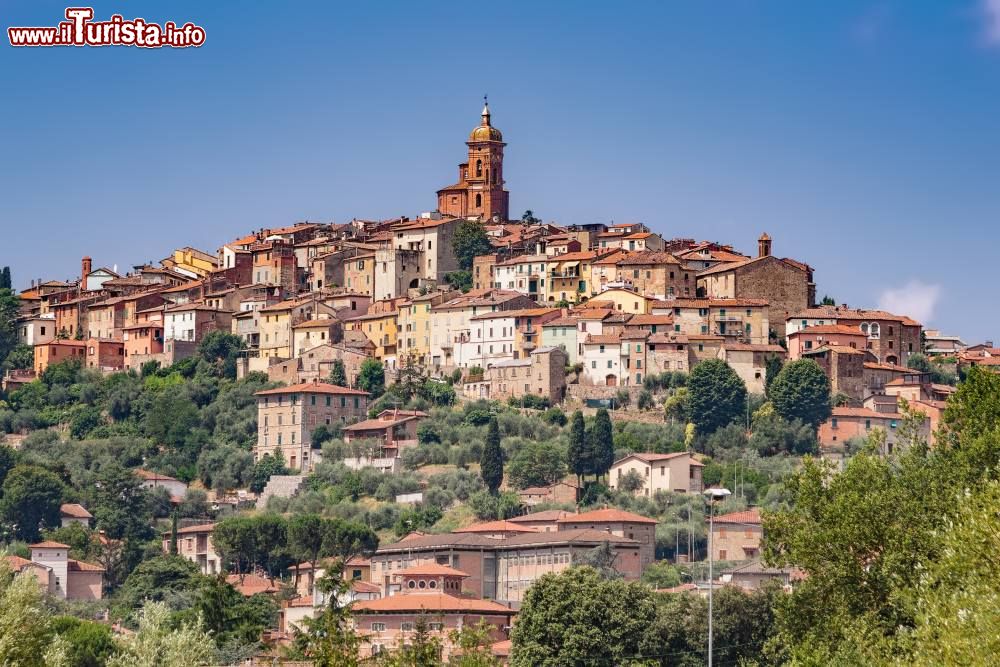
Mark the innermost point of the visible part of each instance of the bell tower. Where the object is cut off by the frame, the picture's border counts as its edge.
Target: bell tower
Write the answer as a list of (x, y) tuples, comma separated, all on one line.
[(479, 191)]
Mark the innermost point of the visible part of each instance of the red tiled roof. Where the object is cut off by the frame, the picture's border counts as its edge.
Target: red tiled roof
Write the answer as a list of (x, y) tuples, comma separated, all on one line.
[(829, 329), (48, 544), (429, 602), (75, 511), (80, 566), (154, 476), (495, 527), (606, 516), (751, 515), (651, 457), (359, 586), (252, 584), (547, 515), (312, 388)]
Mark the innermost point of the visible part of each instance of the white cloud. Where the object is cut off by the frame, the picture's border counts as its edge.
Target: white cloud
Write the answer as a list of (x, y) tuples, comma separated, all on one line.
[(915, 299), (990, 11)]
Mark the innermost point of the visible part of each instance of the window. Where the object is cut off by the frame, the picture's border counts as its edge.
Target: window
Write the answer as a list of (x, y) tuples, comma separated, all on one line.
[(406, 626), (378, 627)]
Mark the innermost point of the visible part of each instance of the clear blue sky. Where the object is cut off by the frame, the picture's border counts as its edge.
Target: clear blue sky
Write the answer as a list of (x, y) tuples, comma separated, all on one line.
[(862, 135)]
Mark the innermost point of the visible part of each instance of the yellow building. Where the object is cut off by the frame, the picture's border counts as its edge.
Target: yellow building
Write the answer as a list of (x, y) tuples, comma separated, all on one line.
[(414, 328), (192, 262), (626, 301), (276, 322), (382, 329)]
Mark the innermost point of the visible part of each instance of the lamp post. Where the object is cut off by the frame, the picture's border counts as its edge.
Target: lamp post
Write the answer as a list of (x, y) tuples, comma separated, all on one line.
[(713, 495)]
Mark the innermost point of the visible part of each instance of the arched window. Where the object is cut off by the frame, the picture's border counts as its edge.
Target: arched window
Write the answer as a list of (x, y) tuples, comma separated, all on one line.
[(874, 331), (479, 167), (479, 201), (864, 328)]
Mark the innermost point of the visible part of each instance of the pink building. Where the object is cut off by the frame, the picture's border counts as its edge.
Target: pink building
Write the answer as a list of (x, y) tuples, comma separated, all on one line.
[(432, 592), (816, 336)]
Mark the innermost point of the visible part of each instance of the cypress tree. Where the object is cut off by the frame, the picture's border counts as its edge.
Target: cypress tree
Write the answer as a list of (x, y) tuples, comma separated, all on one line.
[(578, 459), (173, 533), (602, 443), (5, 278), (491, 463)]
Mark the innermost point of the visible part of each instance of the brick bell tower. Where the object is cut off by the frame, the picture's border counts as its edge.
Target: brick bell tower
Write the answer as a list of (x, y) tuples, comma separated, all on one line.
[(479, 191)]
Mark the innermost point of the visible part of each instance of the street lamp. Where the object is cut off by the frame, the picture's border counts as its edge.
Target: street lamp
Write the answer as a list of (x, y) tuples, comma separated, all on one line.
[(713, 495)]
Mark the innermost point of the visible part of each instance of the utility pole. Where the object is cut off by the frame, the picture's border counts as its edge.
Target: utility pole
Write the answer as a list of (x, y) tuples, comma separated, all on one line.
[(713, 495)]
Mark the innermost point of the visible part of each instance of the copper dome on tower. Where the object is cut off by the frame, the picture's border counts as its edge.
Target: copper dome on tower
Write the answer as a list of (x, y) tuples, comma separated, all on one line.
[(485, 131)]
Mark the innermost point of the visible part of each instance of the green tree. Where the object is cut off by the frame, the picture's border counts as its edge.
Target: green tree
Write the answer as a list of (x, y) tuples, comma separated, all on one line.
[(537, 464), (491, 462), (88, 644), (8, 459), (578, 617), (5, 282), (802, 391), (329, 639), (338, 374), (578, 455), (828, 301), (26, 632), (716, 395), (221, 350), (471, 240), (675, 408), (422, 649), (306, 533), (158, 644), (264, 469), (21, 357), (528, 218), (371, 377), (473, 644), (772, 367), (9, 308), (601, 442), (31, 500), (160, 578)]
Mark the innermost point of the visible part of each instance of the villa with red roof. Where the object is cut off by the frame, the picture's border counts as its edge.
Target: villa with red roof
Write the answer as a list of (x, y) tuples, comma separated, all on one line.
[(737, 535), (60, 575), (677, 472)]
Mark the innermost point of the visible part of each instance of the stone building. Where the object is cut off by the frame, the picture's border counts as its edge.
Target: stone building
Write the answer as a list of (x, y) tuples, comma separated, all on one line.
[(845, 366), (737, 535), (542, 373), (785, 284), (287, 417), (891, 338), (655, 273)]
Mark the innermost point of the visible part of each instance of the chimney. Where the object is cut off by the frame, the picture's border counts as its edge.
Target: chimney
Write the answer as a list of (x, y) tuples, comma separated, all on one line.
[(764, 245), (85, 266)]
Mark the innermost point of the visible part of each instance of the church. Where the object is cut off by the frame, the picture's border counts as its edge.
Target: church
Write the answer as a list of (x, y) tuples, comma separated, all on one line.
[(479, 191)]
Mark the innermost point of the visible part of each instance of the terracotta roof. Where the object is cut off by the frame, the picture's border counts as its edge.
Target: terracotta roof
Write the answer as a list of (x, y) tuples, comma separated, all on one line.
[(314, 323), (639, 235), (643, 257), (502, 649), (48, 544), (495, 527), (312, 388), (428, 602), (840, 313), (16, 562), (252, 584), (80, 566), (433, 570), (562, 322), (606, 516), (603, 339), (75, 511), (871, 365), (708, 303), (651, 457), (191, 530), (829, 329), (565, 536), (547, 515), (359, 586), (473, 540), (378, 424), (667, 337), (751, 516), (154, 476), (863, 412)]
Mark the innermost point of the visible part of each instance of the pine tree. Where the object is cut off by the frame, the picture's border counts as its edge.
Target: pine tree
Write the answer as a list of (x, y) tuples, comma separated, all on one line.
[(491, 463), (5, 278), (338, 375), (602, 443), (578, 459)]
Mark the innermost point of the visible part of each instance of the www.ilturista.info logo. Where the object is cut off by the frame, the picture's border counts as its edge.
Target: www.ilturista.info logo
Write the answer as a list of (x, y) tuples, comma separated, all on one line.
[(81, 30)]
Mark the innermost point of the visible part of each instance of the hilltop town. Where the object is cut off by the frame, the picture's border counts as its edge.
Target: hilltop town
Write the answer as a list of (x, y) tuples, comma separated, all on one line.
[(397, 428)]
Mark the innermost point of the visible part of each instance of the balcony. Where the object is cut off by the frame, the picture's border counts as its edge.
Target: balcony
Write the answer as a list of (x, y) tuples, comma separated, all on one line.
[(729, 318), (734, 333)]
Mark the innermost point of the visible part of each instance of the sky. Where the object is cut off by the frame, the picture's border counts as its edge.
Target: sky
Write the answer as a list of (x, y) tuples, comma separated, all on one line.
[(861, 135)]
